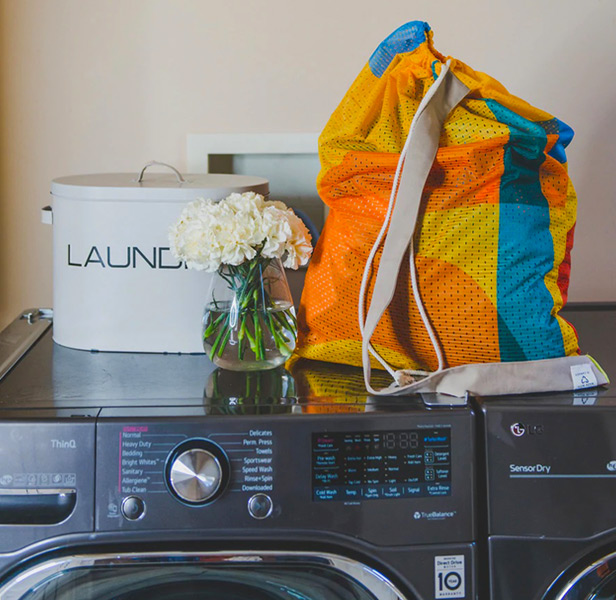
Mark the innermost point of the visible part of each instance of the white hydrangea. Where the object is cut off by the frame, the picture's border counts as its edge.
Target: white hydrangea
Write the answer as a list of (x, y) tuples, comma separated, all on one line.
[(298, 246), (209, 234), (277, 230)]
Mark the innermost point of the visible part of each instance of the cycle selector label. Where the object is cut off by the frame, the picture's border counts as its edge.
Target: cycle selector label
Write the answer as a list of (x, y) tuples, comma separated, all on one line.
[(142, 457), (144, 453)]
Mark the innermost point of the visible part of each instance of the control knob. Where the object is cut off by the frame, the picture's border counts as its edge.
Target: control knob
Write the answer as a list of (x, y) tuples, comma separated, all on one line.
[(197, 472)]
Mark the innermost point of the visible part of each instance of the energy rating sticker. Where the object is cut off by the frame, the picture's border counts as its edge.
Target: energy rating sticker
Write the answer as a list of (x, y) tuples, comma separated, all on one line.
[(449, 577)]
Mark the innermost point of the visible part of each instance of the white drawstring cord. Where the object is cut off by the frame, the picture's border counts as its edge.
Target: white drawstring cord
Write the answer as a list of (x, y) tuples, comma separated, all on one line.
[(422, 310)]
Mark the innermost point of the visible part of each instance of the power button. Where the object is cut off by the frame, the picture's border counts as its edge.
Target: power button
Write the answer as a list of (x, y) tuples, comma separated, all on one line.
[(260, 506), (133, 508)]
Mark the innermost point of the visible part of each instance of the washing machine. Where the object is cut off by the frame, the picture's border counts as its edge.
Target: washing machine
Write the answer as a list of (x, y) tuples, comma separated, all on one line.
[(551, 482), (130, 476)]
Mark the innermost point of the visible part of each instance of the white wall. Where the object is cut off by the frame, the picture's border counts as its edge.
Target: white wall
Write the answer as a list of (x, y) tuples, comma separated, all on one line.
[(94, 86)]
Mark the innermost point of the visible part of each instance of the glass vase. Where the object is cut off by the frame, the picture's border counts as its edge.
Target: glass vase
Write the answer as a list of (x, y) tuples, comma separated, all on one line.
[(249, 320)]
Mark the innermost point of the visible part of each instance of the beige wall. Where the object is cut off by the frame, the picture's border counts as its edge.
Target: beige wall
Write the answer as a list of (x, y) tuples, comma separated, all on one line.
[(105, 85)]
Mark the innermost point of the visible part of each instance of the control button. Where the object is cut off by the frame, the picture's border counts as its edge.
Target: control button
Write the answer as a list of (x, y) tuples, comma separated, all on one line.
[(133, 508), (197, 472), (260, 506), (196, 475)]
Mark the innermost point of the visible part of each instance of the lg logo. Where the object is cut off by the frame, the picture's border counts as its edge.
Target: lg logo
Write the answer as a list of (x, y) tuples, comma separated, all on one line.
[(519, 429)]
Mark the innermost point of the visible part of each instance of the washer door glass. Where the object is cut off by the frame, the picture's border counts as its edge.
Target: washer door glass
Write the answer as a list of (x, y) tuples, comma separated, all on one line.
[(606, 590), (206, 580), (596, 582)]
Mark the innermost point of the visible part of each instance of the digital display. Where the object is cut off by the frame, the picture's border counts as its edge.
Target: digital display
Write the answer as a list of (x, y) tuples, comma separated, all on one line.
[(357, 466)]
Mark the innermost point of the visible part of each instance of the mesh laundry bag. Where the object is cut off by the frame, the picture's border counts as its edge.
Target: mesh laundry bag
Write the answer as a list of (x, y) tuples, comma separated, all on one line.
[(423, 144)]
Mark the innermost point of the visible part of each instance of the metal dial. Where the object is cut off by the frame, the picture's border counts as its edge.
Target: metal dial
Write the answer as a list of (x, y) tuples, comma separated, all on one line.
[(196, 475)]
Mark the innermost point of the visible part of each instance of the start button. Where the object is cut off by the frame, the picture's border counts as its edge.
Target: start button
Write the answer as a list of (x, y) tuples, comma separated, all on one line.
[(260, 506)]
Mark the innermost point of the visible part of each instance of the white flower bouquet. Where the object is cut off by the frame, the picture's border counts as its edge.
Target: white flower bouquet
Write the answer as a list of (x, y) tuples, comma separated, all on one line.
[(249, 321)]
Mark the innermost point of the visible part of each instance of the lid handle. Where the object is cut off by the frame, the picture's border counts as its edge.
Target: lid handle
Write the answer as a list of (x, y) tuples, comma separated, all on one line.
[(161, 164)]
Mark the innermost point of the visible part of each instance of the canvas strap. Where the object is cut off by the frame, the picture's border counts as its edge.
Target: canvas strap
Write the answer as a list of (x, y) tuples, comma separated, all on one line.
[(398, 229)]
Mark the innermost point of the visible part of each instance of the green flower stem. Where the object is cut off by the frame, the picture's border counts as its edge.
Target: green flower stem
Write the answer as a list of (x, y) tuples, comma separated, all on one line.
[(279, 338), (247, 277), (262, 343), (260, 353), (225, 339), (240, 338), (288, 313), (252, 341), (281, 317), (211, 328), (221, 333)]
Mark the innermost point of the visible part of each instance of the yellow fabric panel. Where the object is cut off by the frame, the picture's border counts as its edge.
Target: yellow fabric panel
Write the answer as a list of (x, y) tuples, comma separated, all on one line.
[(472, 122), (484, 86), (445, 236)]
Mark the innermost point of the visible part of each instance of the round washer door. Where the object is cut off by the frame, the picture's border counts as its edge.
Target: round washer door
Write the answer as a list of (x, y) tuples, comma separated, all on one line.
[(201, 576), (596, 582)]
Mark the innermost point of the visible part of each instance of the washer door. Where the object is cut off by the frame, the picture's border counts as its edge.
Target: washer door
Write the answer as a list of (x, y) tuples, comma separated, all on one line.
[(597, 582), (198, 576)]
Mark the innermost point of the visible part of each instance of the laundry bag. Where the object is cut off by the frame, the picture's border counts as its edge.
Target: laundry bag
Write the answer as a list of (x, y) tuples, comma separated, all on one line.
[(446, 254)]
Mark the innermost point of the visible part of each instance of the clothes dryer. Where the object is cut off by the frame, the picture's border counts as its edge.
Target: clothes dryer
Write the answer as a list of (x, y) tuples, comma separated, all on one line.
[(551, 482)]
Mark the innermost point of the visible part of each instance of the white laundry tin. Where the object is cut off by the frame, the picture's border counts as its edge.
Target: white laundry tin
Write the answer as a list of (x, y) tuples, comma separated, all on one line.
[(117, 287)]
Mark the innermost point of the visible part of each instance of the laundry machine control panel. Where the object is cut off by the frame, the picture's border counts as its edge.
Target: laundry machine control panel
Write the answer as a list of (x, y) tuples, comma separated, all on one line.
[(374, 465), (343, 474)]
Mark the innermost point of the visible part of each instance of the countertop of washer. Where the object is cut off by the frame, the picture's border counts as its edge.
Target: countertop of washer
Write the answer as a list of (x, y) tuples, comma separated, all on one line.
[(57, 381), (53, 378)]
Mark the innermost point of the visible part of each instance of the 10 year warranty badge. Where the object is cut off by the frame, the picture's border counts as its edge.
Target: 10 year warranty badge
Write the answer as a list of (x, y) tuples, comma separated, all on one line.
[(449, 577)]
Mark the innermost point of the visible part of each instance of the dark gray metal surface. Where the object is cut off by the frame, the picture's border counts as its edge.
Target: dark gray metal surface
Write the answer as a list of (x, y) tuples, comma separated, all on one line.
[(48, 455), (52, 376), (17, 338), (565, 456)]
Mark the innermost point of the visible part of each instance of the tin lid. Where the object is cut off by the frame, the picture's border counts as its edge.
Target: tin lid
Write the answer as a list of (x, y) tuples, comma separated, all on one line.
[(155, 187)]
